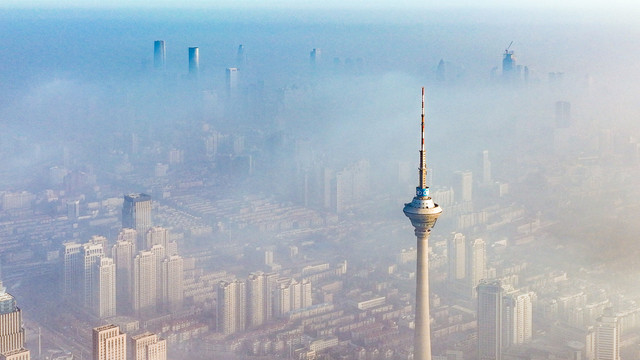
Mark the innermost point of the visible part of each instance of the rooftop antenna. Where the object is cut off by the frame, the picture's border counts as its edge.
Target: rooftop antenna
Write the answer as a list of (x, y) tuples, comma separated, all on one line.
[(423, 155)]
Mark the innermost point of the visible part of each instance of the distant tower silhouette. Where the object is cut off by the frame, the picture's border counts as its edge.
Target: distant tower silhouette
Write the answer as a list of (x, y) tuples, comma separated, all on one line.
[(159, 55), (314, 57), (423, 213), (241, 58), (136, 214), (508, 63), (194, 61)]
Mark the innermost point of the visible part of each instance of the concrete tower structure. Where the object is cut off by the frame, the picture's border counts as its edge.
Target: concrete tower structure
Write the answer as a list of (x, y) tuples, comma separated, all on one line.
[(423, 213), (159, 55), (173, 277), (109, 343), (231, 307), (11, 329), (476, 264), (144, 283), (456, 257), (123, 252)]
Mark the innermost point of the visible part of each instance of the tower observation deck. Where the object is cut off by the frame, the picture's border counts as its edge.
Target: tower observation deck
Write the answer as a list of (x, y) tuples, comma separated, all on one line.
[(423, 213)]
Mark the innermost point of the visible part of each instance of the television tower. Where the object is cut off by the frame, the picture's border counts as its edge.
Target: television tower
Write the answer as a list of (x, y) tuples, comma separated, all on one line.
[(423, 213)]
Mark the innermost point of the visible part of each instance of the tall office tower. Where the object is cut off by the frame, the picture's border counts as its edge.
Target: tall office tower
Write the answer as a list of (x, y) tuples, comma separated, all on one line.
[(486, 167), (194, 61), (456, 255), (476, 263), (464, 182), (73, 272), (232, 80), (314, 56), (109, 343), (256, 300), (144, 283), (122, 253), (490, 320), (147, 346), (241, 58), (173, 288), (18, 354), (136, 214), (159, 255), (11, 329), (159, 55), (607, 336), (106, 302), (157, 235), (91, 253), (231, 316), (423, 213), (563, 114), (516, 318)]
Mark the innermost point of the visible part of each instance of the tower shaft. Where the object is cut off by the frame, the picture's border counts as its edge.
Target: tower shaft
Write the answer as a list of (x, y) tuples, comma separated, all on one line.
[(422, 335)]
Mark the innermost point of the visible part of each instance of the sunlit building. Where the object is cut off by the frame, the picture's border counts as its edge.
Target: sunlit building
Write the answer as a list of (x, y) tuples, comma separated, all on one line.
[(106, 302), (144, 283), (147, 346), (11, 329), (173, 278), (136, 214), (607, 331), (109, 343), (231, 314), (18, 354)]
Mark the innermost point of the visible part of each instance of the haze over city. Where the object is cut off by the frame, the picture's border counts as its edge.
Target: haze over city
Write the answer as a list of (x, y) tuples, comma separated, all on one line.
[(226, 180)]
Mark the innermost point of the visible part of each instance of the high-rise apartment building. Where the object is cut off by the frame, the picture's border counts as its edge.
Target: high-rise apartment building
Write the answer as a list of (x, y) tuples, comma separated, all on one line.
[(260, 287), (232, 80), (73, 271), (464, 182), (231, 315), (159, 55), (516, 318), (109, 343), (136, 214), (476, 263), (490, 296), (290, 295), (144, 283), (607, 336), (122, 253), (159, 255), (173, 277), (92, 253), (147, 346), (106, 304), (456, 248)]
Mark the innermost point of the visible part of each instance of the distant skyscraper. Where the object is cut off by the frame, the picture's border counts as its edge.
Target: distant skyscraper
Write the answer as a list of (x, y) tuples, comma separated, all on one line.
[(314, 56), (241, 58), (563, 114), (136, 214), (508, 64), (159, 254), (232, 80), (147, 346), (456, 256), (465, 186), (486, 168), (159, 55), (490, 320), (423, 213), (106, 305), (607, 336), (144, 283), (173, 277), (109, 343), (476, 263), (231, 315), (194, 61), (258, 299)]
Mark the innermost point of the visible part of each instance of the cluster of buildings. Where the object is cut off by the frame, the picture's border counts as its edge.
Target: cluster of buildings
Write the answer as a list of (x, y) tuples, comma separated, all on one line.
[(109, 343)]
